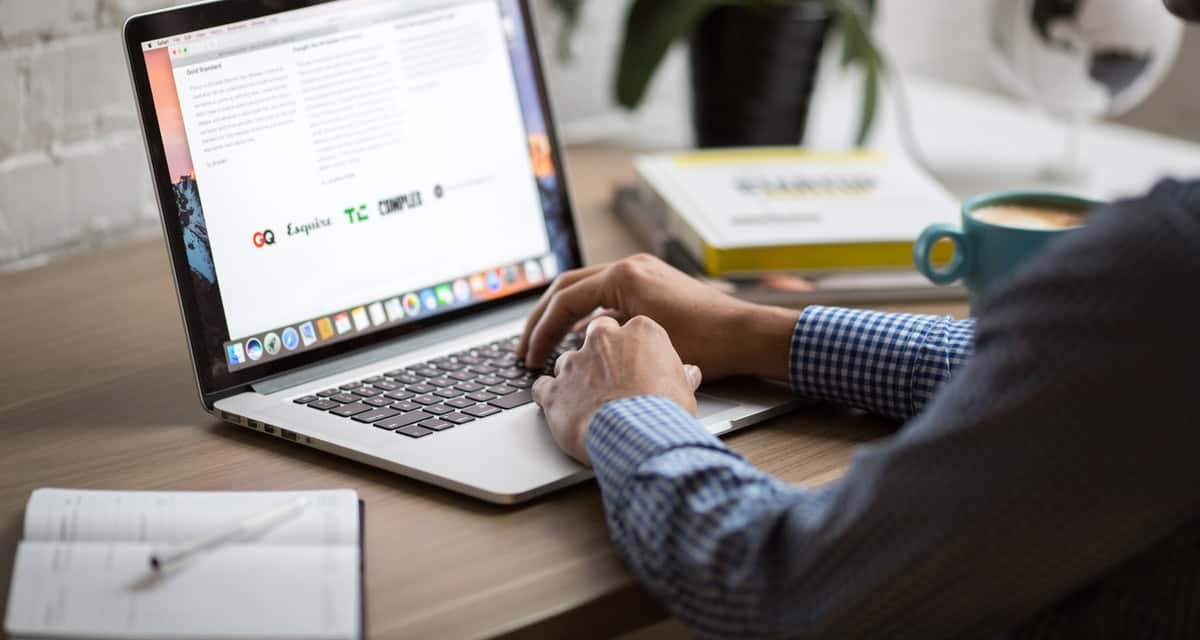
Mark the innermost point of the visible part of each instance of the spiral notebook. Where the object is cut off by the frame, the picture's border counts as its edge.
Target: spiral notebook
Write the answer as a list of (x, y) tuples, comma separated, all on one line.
[(82, 570)]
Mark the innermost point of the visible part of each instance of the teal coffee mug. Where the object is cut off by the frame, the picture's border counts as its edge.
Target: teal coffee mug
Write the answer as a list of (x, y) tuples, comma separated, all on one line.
[(1000, 232)]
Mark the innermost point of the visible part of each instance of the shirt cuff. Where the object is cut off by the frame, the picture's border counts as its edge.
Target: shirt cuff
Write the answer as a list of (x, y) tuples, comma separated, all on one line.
[(625, 433)]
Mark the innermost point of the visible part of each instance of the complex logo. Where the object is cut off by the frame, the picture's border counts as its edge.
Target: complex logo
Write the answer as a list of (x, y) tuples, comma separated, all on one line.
[(263, 238), (400, 203)]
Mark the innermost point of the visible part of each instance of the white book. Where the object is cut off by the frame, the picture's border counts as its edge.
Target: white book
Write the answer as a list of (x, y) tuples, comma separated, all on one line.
[(82, 570), (756, 210)]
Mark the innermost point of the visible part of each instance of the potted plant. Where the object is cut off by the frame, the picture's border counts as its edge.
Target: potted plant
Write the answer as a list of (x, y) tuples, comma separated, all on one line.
[(753, 62)]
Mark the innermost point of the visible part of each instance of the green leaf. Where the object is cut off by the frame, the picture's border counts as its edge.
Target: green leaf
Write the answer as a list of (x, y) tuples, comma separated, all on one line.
[(650, 30)]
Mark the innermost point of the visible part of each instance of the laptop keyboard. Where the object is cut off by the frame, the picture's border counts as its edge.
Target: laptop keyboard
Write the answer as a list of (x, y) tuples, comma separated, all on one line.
[(438, 394)]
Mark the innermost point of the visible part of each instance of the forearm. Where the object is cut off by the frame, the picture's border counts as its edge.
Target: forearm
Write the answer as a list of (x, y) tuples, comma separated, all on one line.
[(891, 364), (698, 524)]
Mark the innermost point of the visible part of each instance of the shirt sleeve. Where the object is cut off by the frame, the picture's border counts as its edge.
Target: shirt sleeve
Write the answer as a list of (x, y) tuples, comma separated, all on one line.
[(1063, 451), (886, 363)]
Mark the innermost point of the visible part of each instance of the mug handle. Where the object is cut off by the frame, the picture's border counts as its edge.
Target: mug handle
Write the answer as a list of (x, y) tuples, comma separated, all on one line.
[(924, 247)]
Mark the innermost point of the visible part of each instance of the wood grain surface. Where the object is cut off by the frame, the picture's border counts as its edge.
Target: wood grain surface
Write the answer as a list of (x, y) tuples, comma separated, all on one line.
[(96, 392)]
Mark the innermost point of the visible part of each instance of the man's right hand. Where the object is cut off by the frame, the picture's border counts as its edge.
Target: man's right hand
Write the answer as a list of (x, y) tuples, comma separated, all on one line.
[(720, 334)]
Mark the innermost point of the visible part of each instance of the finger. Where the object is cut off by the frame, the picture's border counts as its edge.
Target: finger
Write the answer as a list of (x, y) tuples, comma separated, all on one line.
[(694, 375), (562, 281), (565, 309), (543, 390), (582, 325)]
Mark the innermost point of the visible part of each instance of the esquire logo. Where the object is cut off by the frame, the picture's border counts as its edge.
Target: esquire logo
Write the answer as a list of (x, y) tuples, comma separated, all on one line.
[(397, 204), (263, 238), (306, 228)]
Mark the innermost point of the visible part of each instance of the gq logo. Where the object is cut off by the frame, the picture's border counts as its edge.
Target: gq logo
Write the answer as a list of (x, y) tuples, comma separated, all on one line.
[(264, 238)]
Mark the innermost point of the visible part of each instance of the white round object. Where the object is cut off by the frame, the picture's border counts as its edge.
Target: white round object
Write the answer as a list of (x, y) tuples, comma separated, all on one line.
[(1083, 59)]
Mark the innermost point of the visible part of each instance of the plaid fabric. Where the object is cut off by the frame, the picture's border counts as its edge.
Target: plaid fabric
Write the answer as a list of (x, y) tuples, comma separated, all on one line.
[(886, 363), (668, 482)]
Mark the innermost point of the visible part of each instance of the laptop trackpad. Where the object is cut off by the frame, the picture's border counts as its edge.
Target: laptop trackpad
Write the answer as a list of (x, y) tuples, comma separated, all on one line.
[(707, 405)]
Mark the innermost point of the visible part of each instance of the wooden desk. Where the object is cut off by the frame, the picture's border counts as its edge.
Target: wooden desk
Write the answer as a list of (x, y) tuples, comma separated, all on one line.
[(96, 392)]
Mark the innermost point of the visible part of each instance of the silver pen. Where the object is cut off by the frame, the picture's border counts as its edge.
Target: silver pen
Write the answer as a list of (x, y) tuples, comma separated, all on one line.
[(164, 560)]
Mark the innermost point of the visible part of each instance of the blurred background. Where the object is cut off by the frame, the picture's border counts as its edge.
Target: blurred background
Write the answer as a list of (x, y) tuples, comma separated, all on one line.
[(73, 173)]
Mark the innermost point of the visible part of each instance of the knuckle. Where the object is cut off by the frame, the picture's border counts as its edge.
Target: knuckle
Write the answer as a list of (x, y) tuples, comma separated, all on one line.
[(626, 271)]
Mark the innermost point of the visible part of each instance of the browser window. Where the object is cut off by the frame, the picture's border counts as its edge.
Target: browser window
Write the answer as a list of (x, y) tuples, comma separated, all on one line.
[(360, 164)]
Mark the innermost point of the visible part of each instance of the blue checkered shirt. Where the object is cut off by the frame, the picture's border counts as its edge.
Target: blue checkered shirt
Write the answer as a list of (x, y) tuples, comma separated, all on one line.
[(1043, 486)]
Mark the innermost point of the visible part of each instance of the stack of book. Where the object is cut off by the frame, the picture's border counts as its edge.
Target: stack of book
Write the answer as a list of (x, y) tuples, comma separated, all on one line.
[(790, 226)]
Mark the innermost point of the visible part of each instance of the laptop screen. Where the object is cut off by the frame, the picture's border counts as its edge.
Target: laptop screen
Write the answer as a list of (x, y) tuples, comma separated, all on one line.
[(355, 166)]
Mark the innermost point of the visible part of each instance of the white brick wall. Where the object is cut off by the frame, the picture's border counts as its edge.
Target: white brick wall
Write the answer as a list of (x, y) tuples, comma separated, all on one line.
[(73, 173), (72, 170)]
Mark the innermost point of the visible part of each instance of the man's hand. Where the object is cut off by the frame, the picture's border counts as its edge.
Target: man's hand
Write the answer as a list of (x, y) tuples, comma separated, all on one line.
[(720, 334), (614, 362)]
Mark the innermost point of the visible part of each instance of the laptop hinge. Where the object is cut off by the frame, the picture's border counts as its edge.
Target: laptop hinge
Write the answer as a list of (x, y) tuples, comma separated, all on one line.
[(393, 348)]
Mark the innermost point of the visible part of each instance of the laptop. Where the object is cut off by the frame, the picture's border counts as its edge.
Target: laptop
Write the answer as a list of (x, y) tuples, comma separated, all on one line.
[(362, 200)]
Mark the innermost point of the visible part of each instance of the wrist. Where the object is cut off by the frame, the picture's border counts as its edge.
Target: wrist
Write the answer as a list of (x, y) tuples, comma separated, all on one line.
[(762, 338)]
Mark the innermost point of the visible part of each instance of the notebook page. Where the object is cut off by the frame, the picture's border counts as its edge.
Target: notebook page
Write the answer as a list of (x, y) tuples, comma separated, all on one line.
[(165, 518), (247, 591)]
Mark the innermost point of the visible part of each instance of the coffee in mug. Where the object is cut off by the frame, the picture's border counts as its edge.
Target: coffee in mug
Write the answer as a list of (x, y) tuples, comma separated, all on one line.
[(1023, 216), (999, 233)]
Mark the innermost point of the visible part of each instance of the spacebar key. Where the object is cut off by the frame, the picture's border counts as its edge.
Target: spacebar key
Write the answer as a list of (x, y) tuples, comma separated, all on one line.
[(513, 400), (399, 422)]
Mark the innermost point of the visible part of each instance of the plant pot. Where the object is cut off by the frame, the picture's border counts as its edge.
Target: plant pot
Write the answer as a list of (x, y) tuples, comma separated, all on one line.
[(753, 71)]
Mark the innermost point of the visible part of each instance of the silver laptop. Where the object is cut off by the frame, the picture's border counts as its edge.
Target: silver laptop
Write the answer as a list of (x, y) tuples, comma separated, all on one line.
[(362, 199)]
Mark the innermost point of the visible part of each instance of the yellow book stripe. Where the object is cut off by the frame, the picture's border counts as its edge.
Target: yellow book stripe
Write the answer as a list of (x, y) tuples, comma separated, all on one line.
[(878, 255)]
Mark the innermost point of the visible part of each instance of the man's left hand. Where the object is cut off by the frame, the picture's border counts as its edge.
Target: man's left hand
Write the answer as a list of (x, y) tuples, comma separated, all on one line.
[(615, 362)]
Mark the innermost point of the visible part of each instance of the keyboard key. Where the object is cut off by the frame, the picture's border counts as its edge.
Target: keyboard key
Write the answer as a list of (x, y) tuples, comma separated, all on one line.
[(457, 418), (447, 393), (305, 400), (483, 369), (501, 390), (386, 385), (350, 385), (406, 378), (367, 392), (436, 424), (427, 372), (451, 366), (351, 410), (375, 416), (324, 405), (377, 402), (393, 373), (438, 409), (523, 383), (513, 401), (421, 388), (427, 400), (460, 403), (469, 387), (481, 411), (400, 395), (490, 381), (469, 359), (404, 420), (406, 406), (480, 396), (461, 376), (373, 380), (441, 383), (329, 392), (345, 398), (414, 432), (511, 374)]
